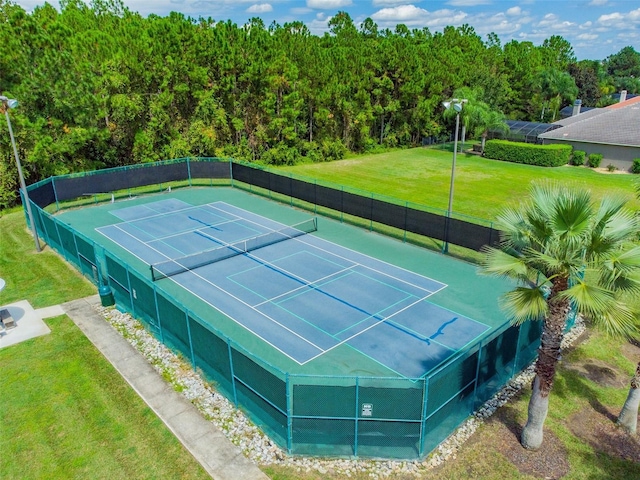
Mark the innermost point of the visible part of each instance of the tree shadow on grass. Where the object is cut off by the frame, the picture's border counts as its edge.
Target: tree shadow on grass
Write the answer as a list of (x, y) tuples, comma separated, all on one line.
[(595, 424), (550, 461)]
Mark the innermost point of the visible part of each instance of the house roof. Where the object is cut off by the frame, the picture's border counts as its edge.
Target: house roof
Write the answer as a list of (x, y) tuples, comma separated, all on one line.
[(617, 124)]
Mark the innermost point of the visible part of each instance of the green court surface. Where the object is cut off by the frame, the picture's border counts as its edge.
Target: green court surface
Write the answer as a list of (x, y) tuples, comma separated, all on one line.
[(465, 293)]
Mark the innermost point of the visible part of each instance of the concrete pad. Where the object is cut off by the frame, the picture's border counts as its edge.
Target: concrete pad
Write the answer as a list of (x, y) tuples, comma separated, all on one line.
[(28, 324), (189, 426), (166, 409), (49, 312)]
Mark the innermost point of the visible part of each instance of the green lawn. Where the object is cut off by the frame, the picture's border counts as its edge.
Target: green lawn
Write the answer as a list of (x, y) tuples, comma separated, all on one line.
[(65, 412), (42, 278), (482, 186)]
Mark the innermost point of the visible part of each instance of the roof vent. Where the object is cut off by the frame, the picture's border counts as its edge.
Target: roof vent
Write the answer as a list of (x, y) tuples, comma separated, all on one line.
[(576, 107), (623, 96)]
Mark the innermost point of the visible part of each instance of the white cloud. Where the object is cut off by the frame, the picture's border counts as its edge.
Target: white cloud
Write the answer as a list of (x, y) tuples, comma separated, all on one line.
[(598, 3), (514, 11), (320, 24), (300, 10), (587, 36), (620, 21), (399, 14), (260, 8), (412, 16), (391, 3), (498, 23), (610, 18), (468, 3), (328, 4)]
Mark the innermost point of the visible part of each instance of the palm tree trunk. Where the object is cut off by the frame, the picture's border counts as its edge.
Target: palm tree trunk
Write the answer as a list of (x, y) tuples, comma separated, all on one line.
[(628, 418), (548, 354), (532, 435)]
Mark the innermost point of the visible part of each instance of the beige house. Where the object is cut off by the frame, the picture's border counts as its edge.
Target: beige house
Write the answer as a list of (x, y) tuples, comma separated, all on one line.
[(613, 131)]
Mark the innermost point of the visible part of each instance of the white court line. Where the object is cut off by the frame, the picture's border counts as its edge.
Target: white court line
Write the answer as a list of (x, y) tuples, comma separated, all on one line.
[(306, 284), (375, 260), (301, 240), (444, 285), (372, 326), (156, 215), (145, 244), (172, 278)]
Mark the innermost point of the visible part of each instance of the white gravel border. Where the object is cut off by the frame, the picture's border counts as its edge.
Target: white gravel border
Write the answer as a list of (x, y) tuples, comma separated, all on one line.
[(259, 448)]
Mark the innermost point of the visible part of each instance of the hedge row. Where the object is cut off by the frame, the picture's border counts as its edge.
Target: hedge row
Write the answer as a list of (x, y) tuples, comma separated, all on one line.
[(553, 155)]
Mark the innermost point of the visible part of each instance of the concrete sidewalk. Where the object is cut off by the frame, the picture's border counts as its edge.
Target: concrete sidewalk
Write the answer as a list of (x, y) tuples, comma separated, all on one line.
[(219, 457)]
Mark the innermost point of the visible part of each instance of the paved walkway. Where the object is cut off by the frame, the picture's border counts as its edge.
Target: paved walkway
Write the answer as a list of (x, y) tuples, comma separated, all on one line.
[(219, 457)]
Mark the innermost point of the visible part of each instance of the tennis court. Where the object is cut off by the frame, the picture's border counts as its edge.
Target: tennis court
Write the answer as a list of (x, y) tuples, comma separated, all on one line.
[(301, 294), (337, 335)]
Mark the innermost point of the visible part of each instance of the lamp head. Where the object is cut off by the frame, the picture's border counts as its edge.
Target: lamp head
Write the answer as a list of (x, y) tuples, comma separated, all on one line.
[(446, 105), (9, 102), (457, 107)]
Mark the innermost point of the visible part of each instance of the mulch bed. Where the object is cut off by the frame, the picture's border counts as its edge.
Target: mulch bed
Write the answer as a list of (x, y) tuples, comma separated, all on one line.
[(549, 462), (597, 427)]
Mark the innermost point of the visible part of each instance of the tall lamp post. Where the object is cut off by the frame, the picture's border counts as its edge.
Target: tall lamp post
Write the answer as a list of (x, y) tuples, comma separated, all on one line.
[(8, 103), (457, 105)]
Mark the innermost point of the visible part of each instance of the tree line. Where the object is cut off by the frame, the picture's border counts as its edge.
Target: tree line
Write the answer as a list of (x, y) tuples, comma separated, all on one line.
[(102, 86)]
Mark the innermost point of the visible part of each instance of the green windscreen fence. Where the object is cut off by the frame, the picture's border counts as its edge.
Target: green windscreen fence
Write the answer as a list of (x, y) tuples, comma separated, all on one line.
[(327, 415), (102, 185)]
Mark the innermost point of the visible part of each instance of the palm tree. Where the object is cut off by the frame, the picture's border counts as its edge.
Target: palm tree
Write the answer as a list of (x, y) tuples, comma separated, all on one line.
[(563, 250), (485, 120), (628, 418), (556, 86)]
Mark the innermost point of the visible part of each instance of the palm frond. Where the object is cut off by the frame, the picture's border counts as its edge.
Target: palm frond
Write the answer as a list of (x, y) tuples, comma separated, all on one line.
[(612, 225), (618, 321), (620, 270), (591, 300), (523, 304), (572, 216), (498, 263)]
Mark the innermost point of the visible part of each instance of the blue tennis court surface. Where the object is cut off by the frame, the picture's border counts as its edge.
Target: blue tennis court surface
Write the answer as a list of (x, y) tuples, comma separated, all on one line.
[(304, 296)]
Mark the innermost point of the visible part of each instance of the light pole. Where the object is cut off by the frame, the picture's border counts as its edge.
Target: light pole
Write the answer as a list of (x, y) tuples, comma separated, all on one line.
[(457, 105), (8, 103)]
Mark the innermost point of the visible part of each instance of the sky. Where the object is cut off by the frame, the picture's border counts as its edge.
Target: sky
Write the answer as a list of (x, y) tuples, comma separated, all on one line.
[(595, 28)]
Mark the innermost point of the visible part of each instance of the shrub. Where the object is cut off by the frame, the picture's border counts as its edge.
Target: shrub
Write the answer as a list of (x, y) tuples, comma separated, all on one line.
[(578, 157), (611, 167), (553, 155), (333, 150), (635, 168), (595, 159)]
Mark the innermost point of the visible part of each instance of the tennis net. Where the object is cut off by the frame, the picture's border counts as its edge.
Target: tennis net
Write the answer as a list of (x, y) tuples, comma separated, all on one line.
[(169, 268)]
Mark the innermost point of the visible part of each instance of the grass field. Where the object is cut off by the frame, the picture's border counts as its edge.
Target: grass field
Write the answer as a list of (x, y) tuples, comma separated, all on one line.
[(65, 413), (482, 186)]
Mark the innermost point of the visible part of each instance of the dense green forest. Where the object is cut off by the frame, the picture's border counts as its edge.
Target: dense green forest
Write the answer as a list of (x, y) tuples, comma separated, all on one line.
[(102, 86)]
